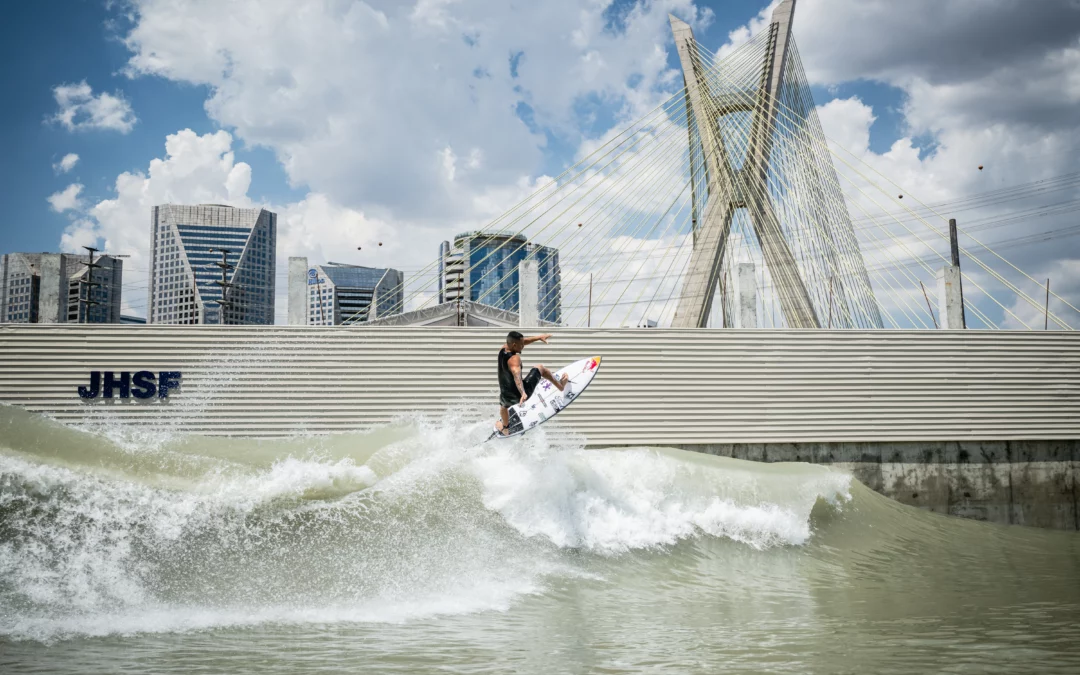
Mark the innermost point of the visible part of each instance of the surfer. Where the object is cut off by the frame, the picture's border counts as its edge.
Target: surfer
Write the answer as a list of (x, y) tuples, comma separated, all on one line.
[(513, 388)]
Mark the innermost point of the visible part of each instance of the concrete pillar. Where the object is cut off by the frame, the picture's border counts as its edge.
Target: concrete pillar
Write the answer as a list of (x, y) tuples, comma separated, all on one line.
[(746, 296), (529, 293), (950, 298), (298, 292), (444, 253), (726, 192), (52, 296)]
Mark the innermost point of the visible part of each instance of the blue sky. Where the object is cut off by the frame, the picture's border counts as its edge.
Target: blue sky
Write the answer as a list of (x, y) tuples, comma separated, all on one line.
[(53, 42)]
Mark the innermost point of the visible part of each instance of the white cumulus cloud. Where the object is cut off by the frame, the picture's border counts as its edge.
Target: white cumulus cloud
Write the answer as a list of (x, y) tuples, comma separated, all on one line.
[(196, 169), (67, 163), (410, 122), (79, 109), (199, 169), (411, 110), (67, 199)]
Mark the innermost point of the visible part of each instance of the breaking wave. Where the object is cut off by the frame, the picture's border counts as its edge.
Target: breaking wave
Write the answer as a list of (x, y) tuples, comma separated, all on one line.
[(109, 531)]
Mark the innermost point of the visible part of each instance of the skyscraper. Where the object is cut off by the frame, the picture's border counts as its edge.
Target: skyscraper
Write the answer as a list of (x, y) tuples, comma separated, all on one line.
[(336, 293), (59, 288), (483, 267), (189, 246)]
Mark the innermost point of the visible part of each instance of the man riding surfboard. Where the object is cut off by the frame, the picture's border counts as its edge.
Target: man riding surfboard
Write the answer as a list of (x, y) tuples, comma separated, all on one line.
[(513, 388)]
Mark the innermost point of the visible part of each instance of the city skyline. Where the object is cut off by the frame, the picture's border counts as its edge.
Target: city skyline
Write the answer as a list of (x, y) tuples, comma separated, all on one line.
[(139, 120)]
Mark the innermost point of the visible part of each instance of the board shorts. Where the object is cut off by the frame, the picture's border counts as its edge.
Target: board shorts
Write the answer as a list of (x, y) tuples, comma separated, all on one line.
[(507, 399)]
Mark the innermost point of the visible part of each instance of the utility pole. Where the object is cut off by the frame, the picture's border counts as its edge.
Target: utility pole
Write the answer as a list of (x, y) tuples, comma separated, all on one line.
[(87, 285), (322, 303), (928, 307), (224, 282)]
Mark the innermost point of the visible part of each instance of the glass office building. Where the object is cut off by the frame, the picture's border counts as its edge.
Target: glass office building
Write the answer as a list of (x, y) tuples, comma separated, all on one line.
[(483, 267), (187, 245), (339, 293)]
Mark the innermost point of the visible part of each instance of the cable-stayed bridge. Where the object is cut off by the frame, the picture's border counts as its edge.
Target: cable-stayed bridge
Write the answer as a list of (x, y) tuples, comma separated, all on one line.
[(726, 206)]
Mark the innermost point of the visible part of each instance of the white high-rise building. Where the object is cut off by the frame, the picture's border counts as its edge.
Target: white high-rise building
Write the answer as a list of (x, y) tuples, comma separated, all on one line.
[(188, 245)]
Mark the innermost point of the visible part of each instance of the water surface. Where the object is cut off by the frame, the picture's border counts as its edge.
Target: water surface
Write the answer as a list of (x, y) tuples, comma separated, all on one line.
[(415, 549)]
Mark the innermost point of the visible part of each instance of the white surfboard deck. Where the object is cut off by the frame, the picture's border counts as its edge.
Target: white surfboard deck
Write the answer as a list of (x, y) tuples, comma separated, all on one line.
[(547, 401)]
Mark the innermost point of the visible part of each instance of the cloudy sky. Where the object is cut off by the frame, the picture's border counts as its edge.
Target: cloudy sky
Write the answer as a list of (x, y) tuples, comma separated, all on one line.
[(405, 121)]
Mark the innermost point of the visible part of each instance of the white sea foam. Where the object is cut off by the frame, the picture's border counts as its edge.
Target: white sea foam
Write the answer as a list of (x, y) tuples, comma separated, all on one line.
[(432, 524), (616, 501)]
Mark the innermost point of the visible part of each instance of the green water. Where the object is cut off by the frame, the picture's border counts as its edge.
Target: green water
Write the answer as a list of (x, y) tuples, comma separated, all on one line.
[(414, 549)]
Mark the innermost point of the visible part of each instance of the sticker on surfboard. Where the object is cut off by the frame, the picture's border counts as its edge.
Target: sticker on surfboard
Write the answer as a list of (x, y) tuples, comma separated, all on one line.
[(547, 401)]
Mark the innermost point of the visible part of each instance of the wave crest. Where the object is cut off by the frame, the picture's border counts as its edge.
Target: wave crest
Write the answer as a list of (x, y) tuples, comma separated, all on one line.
[(385, 526)]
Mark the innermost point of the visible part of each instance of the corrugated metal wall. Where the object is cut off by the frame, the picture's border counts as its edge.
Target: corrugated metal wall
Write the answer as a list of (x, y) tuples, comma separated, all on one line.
[(655, 386)]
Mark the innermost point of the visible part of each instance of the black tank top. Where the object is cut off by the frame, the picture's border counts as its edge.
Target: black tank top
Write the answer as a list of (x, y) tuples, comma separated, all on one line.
[(507, 384)]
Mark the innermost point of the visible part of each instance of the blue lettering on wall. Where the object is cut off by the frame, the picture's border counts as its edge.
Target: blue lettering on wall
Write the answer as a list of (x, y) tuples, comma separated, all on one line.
[(141, 385), (110, 381), (95, 386), (167, 380)]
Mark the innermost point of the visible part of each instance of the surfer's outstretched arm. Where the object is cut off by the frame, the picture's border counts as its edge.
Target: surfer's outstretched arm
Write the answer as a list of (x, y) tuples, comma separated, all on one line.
[(537, 338)]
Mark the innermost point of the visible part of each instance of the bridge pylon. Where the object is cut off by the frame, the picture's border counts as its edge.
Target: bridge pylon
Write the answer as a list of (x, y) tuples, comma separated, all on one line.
[(732, 187)]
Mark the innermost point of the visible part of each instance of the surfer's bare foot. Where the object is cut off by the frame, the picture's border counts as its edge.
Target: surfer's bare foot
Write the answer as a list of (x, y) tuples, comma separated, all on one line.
[(499, 427), (550, 377)]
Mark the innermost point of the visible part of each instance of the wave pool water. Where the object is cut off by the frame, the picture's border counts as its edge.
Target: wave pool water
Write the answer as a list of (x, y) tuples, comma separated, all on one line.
[(418, 548)]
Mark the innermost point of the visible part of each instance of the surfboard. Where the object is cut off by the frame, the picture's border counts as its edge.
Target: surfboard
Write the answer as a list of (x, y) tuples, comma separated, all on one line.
[(547, 401)]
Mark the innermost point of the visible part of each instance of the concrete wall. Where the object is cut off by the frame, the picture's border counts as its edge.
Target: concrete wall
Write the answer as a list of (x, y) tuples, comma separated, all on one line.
[(940, 419), (52, 298), (1031, 483)]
